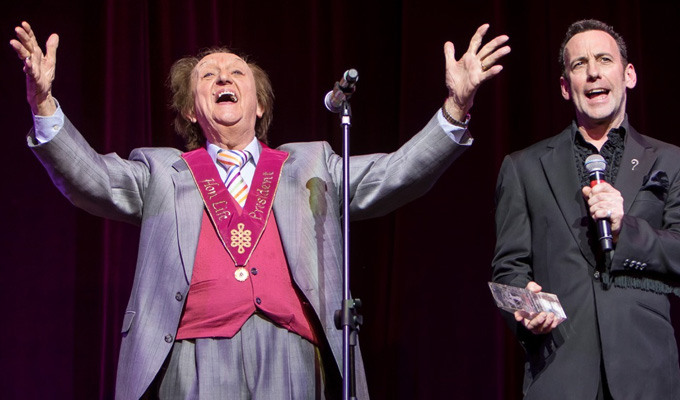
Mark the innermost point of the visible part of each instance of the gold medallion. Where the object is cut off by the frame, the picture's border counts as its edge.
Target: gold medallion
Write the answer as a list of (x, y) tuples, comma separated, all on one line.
[(241, 274)]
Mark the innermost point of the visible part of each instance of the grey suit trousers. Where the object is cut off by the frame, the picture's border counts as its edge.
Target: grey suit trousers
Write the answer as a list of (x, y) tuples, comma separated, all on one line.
[(262, 361)]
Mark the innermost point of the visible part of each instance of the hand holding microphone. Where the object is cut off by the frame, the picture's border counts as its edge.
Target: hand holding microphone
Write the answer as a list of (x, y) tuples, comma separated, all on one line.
[(604, 201)]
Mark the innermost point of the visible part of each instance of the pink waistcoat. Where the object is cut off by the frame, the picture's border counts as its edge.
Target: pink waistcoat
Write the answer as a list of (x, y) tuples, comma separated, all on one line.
[(218, 305)]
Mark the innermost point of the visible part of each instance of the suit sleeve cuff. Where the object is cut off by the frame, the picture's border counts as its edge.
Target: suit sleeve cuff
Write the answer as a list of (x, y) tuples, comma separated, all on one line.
[(46, 128), (458, 134)]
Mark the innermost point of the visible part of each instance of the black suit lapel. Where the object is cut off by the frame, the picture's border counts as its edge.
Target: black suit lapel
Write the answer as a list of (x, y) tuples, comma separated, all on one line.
[(637, 160), (560, 171)]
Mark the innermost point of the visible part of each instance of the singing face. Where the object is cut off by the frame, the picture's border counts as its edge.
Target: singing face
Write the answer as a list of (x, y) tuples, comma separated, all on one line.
[(225, 98), (597, 79)]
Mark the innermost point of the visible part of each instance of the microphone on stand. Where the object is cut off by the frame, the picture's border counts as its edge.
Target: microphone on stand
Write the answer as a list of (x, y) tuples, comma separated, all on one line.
[(341, 91), (596, 165)]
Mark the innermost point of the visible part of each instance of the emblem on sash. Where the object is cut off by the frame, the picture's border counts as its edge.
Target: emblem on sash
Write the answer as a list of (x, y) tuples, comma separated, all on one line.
[(241, 238)]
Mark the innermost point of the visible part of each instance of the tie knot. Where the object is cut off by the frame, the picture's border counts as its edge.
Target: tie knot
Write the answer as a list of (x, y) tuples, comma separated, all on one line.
[(233, 158)]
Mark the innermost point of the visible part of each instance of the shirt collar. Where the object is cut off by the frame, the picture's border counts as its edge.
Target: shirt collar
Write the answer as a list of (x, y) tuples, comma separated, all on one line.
[(577, 136)]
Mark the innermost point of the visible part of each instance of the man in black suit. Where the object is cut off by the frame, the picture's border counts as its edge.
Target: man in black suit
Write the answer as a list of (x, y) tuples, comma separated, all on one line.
[(617, 341)]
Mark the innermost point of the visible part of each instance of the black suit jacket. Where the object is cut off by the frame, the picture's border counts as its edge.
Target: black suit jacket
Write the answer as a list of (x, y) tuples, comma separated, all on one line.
[(542, 235)]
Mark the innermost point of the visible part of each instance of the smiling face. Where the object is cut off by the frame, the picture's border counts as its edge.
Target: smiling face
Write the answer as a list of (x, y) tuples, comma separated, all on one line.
[(596, 79), (225, 100)]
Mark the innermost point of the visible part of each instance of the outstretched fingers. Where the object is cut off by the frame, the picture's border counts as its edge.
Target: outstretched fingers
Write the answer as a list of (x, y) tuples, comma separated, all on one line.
[(487, 56), (52, 45), (491, 53), (449, 54), (476, 40), (25, 44)]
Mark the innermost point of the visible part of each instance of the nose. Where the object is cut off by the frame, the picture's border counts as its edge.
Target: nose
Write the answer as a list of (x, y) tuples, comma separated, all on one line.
[(593, 71), (223, 79)]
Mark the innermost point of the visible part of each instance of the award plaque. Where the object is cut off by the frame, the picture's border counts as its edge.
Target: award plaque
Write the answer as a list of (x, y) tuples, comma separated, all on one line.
[(511, 298)]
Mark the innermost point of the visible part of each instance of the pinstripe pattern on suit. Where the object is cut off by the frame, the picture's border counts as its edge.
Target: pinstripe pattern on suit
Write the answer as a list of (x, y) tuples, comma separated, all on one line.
[(154, 189)]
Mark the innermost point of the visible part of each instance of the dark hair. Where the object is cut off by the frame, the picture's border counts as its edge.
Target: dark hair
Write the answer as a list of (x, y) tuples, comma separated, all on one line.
[(183, 97), (586, 25)]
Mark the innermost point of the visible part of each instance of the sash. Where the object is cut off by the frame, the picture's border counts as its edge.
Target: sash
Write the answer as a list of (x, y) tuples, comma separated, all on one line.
[(242, 228)]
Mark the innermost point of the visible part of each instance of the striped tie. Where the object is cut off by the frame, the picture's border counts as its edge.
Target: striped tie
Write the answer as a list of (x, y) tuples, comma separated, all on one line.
[(233, 161)]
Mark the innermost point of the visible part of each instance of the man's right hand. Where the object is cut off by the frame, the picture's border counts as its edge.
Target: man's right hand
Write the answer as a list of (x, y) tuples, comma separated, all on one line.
[(536, 323), (38, 67)]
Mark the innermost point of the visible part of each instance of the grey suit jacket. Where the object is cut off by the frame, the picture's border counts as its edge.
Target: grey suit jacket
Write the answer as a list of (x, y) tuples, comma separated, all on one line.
[(154, 189), (543, 235)]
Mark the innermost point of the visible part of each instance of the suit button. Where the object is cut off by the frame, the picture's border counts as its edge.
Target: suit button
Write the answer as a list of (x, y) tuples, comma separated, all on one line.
[(597, 274), (178, 296), (253, 271), (168, 338), (626, 262), (643, 266), (257, 300)]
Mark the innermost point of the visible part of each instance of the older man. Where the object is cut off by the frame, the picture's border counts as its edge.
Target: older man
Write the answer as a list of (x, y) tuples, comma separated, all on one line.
[(236, 284), (618, 340)]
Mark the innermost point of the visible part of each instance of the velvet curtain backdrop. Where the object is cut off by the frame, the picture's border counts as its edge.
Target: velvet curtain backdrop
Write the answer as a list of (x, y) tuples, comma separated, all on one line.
[(431, 329)]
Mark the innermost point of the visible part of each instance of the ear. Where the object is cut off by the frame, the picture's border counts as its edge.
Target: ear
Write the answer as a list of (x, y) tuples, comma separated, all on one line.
[(190, 116), (630, 76), (260, 110), (565, 87)]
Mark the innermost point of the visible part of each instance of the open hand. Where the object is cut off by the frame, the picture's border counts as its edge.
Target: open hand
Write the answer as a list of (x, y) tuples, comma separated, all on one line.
[(38, 67), (465, 75)]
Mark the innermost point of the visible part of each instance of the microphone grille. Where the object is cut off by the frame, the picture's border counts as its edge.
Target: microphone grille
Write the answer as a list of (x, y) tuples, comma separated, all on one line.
[(351, 75), (595, 162)]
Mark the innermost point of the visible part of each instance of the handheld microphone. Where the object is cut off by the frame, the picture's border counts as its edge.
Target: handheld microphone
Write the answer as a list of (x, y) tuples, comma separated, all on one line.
[(341, 91), (596, 165)]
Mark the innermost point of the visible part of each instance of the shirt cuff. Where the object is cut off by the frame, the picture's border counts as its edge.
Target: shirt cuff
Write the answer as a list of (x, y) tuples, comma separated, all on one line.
[(458, 134), (46, 128)]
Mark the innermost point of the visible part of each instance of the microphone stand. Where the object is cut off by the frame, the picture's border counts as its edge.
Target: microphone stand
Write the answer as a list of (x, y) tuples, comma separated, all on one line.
[(347, 317)]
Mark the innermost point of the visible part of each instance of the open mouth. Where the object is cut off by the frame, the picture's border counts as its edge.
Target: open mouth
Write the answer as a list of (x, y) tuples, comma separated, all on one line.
[(591, 94), (227, 96)]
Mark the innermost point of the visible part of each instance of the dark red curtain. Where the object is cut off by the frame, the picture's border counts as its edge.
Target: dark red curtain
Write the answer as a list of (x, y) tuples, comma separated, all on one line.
[(431, 330)]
